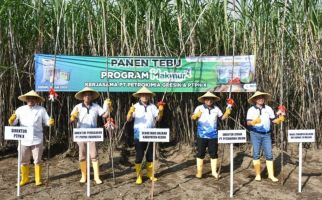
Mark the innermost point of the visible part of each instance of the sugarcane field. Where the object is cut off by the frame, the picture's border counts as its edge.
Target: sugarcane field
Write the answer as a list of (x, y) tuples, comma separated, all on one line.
[(161, 99)]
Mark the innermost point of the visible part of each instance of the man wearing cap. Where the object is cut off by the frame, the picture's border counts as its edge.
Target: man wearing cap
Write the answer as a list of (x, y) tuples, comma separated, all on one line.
[(31, 115), (86, 114), (259, 119), (207, 116), (145, 115)]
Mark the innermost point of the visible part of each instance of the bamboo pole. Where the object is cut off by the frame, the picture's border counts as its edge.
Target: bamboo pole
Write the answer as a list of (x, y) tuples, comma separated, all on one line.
[(108, 93), (281, 74), (53, 86)]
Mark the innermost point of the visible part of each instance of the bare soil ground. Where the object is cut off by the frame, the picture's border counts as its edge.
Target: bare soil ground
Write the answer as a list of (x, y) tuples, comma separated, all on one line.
[(175, 170)]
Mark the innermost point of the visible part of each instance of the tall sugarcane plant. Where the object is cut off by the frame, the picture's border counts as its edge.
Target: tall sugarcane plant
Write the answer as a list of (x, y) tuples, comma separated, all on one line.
[(275, 31)]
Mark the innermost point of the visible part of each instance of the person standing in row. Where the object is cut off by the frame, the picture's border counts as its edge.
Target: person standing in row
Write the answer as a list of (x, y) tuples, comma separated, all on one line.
[(145, 115), (259, 119), (35, 116), (86, 115), (207, 116)]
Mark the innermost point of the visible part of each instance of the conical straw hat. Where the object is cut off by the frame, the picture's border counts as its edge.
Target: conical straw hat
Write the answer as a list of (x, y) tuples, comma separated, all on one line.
[(79, 95), (31, 93), (266, 96), (208, 95), (143, 90)]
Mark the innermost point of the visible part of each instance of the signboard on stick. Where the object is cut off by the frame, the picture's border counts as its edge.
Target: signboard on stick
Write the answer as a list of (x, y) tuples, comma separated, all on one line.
[(231, 136), (88, 134), (18, 133), (155, 135), (301, 135)]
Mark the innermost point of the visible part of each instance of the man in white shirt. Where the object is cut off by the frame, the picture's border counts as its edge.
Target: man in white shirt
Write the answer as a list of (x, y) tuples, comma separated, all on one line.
[(31, 115), (207, 116), (86, 114), (259, 119), (145, 115)]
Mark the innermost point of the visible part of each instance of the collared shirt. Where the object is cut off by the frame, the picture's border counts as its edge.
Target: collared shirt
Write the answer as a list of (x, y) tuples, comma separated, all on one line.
[(87, 117), (144, 117), (266, 115), (208, 121), (35, 116)]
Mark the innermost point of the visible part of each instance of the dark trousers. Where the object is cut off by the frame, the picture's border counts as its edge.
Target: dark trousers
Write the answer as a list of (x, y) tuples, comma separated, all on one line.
[(140, 148), (203, 143)]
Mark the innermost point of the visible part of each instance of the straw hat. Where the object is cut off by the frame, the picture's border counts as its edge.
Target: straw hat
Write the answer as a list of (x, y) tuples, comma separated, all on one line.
[(79, 95), (143, 90), (208, 95), (266, 96), (31, 93)]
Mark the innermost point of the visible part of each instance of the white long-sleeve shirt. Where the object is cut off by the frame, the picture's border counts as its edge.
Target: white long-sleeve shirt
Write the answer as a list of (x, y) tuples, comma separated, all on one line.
[(35, 116)]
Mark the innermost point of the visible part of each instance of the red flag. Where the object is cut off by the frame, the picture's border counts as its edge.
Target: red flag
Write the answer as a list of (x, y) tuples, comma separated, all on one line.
[(52, 94), (281, 108)]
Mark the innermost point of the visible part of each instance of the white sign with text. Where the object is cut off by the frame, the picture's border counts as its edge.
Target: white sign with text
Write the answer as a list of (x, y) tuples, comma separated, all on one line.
[(301, 135), (18, 133), (88, 135), (155, 135), (231, 136)]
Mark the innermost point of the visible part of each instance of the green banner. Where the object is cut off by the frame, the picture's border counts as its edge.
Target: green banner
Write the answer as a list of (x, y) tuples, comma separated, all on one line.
[(160, 74)]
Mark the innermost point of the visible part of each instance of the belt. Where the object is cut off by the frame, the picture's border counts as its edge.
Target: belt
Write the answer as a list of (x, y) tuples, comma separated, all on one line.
[(261, 132)]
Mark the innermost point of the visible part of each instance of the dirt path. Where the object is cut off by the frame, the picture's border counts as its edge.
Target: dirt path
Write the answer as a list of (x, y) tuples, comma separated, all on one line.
[(176, 179)]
